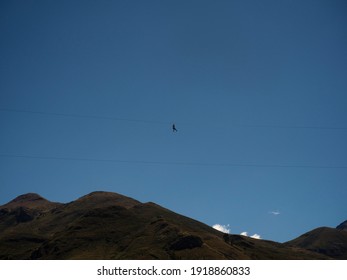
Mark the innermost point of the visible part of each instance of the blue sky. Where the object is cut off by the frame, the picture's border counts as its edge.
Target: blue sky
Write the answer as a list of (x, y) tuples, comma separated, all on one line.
[(257, 90)]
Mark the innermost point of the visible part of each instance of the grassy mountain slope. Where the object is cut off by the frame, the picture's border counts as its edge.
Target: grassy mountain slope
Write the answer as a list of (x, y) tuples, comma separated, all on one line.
[(104, 225), (328, 241)]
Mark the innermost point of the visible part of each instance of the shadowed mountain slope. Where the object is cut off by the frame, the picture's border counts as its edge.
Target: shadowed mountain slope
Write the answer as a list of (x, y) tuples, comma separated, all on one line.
[(104, 225), (342, 226), (324, 240)]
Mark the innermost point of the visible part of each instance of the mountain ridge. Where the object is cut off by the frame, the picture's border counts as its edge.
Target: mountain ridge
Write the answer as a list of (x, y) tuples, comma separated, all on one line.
[(342, 226), (331, 242), (30, 200), (106, 225)]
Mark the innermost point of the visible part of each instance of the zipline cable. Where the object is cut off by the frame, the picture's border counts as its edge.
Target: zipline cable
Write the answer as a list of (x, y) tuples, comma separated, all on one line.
[(82, 116), (71, 115)]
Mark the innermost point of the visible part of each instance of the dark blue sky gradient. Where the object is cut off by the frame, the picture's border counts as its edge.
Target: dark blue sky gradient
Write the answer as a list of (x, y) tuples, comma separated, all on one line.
[(257, 89)]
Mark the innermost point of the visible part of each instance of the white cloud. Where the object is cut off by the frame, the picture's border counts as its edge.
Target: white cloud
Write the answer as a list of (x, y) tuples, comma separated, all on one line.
[(276, 212), (222, 228), (226, 229), (255, 236)]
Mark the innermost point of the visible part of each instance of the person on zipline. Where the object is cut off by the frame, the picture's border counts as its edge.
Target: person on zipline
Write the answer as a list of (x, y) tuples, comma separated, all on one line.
[(174, 128)]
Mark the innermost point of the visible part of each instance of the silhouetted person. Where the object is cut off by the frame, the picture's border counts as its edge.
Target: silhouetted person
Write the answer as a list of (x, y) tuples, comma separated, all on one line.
[(174, 128)]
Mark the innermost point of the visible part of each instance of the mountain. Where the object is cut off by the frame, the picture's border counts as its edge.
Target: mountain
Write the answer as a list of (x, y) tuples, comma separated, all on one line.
[(24, 208), (30, 200), (342, 226), (331, 242), (104, 225)]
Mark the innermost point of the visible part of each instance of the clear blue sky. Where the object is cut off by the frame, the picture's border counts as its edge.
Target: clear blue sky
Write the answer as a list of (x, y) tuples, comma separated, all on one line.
[(257, 90)]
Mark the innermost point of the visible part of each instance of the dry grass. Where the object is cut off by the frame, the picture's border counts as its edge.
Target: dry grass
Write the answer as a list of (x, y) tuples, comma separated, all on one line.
[(105, 225)]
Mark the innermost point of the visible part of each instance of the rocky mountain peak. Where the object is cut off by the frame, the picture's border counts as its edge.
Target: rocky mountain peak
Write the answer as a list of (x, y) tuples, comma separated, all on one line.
[(29, 200)]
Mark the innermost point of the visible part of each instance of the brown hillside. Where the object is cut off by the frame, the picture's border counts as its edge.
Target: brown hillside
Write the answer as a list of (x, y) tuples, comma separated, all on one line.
[(328, 241), (30, 200), (104, 225)]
